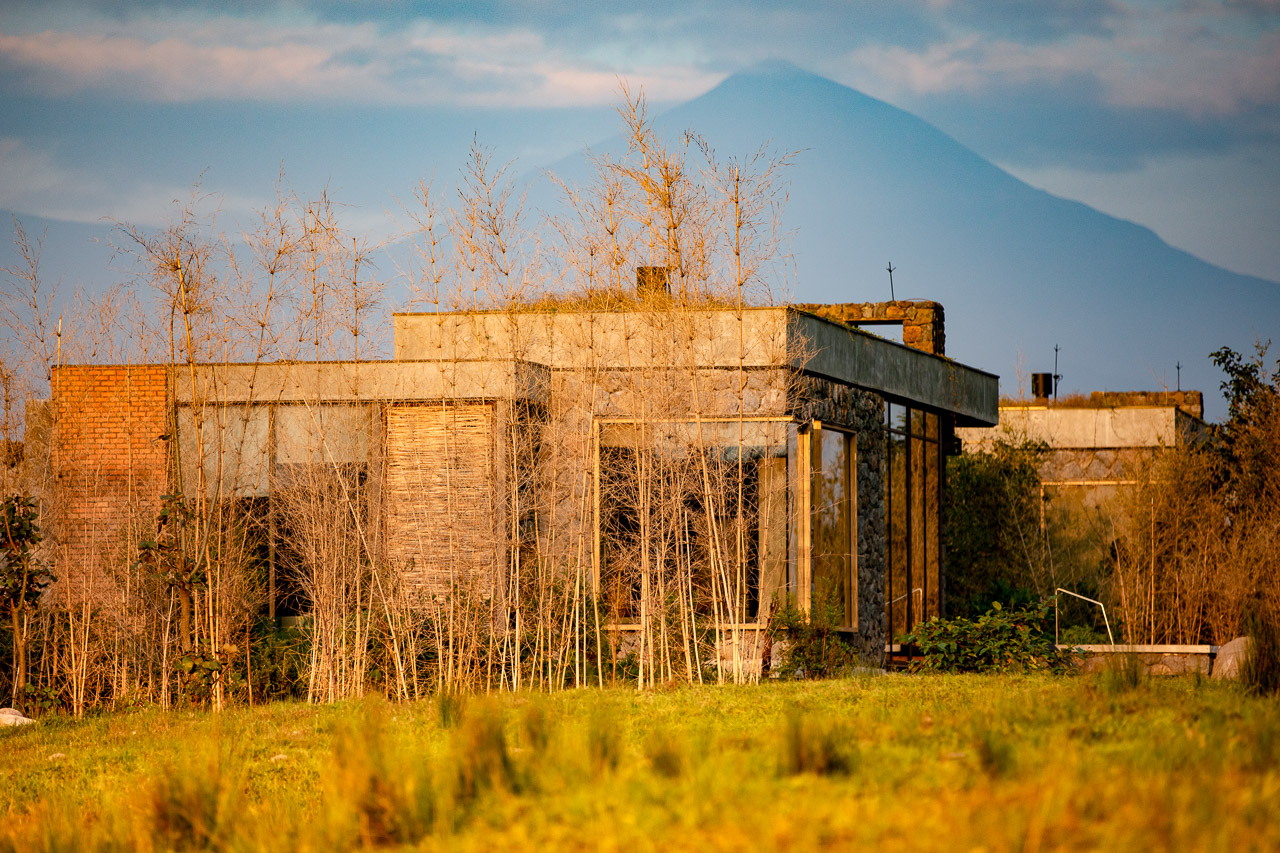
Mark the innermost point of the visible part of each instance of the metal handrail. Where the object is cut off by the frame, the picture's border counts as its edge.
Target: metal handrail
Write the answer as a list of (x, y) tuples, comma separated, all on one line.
[(918, 589), (1105, 620)]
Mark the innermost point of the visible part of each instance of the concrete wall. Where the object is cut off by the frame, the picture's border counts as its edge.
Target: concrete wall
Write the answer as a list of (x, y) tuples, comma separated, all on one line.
[(1083, 428), (746, 338), (597, 340), (302, 382), (898, 373)]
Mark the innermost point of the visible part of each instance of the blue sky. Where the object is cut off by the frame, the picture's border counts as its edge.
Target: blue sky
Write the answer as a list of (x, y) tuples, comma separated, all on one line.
[(1166, 113)]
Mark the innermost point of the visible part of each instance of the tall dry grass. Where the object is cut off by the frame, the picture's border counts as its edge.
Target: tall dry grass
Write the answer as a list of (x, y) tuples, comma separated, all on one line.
[(163, 602)]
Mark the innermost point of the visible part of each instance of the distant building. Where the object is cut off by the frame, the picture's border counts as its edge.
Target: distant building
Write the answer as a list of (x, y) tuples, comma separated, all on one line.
[(1094, 442), (743, 455)]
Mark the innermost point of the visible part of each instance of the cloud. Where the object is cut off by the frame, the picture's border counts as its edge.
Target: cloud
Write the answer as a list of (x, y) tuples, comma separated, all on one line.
[(1147, 79), (239, 59), (1042, 20), (33, 182), (1196, 72), (1208, 75)]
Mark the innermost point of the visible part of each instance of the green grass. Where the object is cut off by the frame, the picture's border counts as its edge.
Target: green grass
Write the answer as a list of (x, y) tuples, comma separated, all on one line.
[(896, 763)]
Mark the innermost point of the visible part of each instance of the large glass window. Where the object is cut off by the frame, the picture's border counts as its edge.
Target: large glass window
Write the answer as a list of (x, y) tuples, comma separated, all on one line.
[(692, 520), (913, 487), (834, 525)]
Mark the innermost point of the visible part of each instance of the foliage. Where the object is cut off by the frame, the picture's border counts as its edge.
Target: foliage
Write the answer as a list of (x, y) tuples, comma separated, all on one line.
[(1261, 667), (168, 555), (996, 641), (277, 662), (1081, 635), (1248, 443), (21, 582), (199, 671), (811, 644), (992, 526), (1197, 544)]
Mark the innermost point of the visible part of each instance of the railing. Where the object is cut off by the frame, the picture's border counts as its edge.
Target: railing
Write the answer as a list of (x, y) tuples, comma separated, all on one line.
[(1105, 620), (918, 589)]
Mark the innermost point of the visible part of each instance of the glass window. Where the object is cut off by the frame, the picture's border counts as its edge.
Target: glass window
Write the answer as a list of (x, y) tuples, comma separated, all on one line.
[(834, 526), (693, 519), (913, 485)]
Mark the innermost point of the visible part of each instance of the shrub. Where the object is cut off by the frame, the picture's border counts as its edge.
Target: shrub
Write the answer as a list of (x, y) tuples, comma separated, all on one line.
[(1260, 672), (278, 662), (1082, 635), (996, 641), (812, 646)]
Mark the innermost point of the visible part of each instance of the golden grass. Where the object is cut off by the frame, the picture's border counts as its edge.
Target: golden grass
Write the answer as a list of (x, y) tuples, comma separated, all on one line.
[(895, 763)]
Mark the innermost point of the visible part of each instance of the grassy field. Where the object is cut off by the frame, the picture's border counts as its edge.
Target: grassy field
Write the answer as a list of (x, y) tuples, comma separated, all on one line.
[(893, 762)]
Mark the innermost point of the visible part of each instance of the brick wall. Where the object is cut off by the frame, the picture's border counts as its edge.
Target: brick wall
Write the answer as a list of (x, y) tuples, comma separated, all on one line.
[(110, 463)]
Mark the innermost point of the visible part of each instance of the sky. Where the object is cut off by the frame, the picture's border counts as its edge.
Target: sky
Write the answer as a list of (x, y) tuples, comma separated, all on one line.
[(1164, 113)]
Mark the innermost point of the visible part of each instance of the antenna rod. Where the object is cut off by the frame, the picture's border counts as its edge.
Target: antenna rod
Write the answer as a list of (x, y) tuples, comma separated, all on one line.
[(891, 296), (1179, 366), (1056, 375)]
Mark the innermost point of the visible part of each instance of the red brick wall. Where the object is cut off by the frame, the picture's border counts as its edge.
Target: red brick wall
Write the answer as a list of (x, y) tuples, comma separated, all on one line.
[(110, 463)]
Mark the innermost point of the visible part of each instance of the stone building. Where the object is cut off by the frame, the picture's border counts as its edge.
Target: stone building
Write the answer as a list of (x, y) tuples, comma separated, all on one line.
[(1095, 440), (715, 460), (1096, 445)]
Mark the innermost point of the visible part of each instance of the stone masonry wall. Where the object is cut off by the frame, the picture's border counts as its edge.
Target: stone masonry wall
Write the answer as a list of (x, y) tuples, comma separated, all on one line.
[(863, 413), (922, 322)]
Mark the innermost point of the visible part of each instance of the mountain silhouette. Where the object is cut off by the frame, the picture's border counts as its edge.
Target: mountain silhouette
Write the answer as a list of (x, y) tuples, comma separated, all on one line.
[(1017, 269)]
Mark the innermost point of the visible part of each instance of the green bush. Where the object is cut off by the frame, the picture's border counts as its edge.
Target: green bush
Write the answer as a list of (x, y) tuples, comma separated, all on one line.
[(996, 641), (811, 644), (1082, 635), (279, 661)]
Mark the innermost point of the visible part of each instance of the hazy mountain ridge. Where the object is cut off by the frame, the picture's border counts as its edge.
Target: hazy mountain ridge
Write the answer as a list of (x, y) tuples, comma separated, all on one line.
[(1018, 269)]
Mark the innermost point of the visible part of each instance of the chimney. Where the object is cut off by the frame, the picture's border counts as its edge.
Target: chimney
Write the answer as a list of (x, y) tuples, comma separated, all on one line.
[(1042, 385), (651, 281)]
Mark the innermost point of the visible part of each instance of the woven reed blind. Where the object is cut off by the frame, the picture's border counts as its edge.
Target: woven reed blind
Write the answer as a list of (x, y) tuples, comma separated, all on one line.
[(441, 514)]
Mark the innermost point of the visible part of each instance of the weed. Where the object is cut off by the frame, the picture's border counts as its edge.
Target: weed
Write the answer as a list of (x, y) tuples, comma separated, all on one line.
[(667, 755), (810, 746), (483, 758), (538, 727), (195, 808), (1260, 672), (450, 707), (1123, 673), (995, 752), (388, 795), (603, 747)]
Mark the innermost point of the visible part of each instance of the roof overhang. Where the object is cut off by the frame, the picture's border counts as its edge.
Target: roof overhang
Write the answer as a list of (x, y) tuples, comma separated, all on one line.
[(899, 373)]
